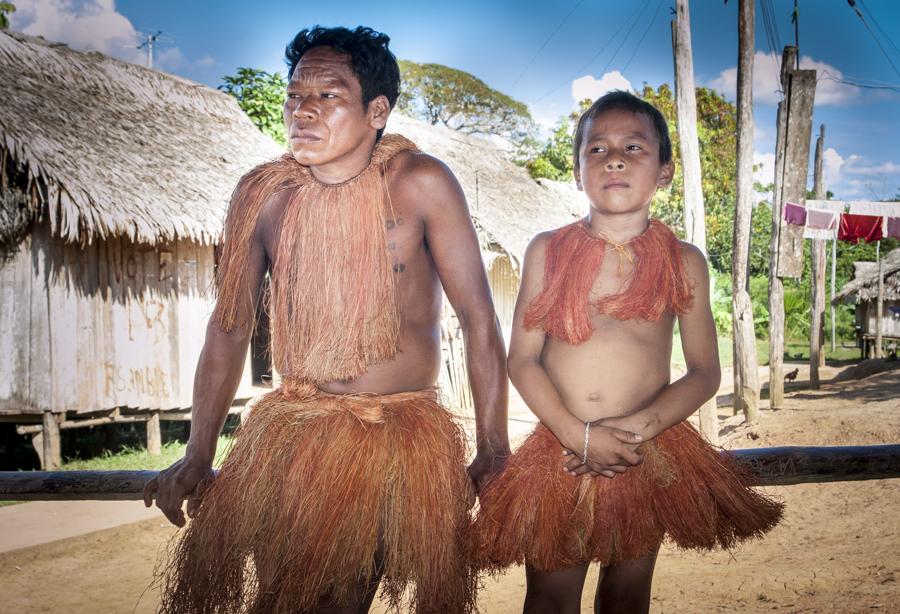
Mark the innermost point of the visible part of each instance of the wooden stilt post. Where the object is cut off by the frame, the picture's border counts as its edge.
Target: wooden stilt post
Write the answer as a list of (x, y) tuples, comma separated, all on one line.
[(154, 434), (52, 457), (817, 279), (746, 373)]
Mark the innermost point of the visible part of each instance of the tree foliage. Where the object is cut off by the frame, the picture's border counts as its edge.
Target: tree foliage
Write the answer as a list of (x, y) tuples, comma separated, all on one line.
[(261, 96), (554, 159), (5, 9), (442, 95)]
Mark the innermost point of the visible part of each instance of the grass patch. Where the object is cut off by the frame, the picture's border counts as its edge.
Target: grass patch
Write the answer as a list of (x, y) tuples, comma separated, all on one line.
[(793, 351), (139, 459)]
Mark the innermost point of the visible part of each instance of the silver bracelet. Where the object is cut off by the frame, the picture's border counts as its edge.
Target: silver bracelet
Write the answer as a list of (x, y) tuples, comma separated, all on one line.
[(587, 436)]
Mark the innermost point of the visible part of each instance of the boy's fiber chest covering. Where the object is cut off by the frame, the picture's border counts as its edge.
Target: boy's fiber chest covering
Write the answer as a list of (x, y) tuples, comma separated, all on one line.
[(573, 257), (334, 304)]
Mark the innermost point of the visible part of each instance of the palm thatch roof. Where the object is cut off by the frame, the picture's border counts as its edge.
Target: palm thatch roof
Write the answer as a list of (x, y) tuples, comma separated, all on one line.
[(864, 285), (108, 148), (507, 205)]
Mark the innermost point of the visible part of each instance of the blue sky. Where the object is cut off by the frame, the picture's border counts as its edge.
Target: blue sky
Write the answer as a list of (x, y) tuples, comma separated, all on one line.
[(545, 54)]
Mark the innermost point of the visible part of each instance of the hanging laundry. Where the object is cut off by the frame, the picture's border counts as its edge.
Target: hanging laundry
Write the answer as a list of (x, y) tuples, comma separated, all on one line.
[(874, 207), (860, 227), (820, 224), (794, 214), (892, 228)]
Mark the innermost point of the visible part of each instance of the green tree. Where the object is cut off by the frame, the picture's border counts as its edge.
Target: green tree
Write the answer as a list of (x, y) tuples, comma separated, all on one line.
[(261, 96), (442, 95), (554, 159), (6, 8)]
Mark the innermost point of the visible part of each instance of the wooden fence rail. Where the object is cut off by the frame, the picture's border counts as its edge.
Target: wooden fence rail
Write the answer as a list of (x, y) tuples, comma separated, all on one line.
[(771, 466)]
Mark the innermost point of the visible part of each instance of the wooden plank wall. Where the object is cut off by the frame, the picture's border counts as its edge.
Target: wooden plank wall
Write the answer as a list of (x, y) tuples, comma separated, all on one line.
[(116, 323)]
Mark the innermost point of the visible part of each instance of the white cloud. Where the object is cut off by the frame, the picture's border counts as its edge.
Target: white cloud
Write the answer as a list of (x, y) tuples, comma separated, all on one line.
[(763, 167), (589, 87), (832, 163), (767, 84), (88, 24), (95, 25)]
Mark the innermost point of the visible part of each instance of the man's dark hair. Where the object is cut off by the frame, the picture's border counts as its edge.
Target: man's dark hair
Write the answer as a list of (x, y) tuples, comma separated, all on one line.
[(372, 62), (625, 101)]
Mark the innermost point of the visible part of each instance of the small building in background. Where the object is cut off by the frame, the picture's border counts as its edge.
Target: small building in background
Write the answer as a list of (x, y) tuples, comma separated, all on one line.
[(862, 292), (114, 182)]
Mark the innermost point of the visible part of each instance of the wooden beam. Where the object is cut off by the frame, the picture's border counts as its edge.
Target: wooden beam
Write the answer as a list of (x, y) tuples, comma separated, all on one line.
[(770, 466), (154, 435), (52, 456)]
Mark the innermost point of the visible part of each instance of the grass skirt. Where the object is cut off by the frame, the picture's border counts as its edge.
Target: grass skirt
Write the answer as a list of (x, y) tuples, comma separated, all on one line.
[(312, 481), (536, 512)]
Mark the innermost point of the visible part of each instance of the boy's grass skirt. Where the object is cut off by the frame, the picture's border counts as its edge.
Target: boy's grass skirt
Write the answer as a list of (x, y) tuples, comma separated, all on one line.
[(312, 482), (535, 512)]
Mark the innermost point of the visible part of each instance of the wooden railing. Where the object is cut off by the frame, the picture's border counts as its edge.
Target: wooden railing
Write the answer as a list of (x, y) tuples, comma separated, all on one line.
[(770, 466)]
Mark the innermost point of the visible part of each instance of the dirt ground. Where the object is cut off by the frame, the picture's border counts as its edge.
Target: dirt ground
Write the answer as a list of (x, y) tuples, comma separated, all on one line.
[(838, 549)]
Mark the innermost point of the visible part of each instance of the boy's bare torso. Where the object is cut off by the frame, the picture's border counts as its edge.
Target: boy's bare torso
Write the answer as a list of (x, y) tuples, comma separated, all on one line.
[(625, 363), (417, 361)]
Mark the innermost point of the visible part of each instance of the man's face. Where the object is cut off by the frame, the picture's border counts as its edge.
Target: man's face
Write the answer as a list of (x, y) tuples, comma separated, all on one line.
[(619, 167), (326, 120)]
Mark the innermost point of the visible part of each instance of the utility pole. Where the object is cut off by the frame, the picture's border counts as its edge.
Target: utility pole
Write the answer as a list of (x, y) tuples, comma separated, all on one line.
[(149, 43), (694, 217), (686, 108), (745, 369), (791, 166), (817, 281)]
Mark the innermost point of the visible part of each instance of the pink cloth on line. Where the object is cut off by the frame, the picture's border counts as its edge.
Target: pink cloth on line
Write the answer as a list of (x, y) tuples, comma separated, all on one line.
[(821, 219), (893, 228), (794, 214), (856, 227)]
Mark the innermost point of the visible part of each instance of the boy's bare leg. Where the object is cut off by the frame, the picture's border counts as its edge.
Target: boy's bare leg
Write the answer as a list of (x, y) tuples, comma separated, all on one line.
[(625, 587), (554, 592)]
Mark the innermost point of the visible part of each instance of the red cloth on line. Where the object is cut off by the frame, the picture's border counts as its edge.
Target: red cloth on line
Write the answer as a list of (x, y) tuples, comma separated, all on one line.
[(893, 228), (794, 214), (860, 227)]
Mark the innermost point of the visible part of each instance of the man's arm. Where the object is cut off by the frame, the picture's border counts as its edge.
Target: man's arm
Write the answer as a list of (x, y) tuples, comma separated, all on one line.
[(453, 244), (215, 384), (681, 398), (611, 448)]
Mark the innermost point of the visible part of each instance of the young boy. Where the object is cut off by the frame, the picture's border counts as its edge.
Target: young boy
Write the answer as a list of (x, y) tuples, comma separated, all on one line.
[(613, 466)]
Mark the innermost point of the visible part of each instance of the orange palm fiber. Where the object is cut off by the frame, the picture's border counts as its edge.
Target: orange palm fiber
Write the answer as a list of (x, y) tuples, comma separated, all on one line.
[(334, 304), (536, 512), (658, 283), (312, 483)]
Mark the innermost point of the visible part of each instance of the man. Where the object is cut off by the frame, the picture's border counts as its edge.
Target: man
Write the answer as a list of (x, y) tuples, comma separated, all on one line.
[(350, 471)]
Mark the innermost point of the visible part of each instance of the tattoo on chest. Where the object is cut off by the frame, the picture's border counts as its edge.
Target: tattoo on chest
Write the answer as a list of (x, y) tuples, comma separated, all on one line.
[(392, 246), (399, 267), (391, 224)]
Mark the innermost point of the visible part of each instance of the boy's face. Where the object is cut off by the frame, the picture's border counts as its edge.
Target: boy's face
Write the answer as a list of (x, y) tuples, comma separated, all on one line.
[(619, 167), (324, 113)]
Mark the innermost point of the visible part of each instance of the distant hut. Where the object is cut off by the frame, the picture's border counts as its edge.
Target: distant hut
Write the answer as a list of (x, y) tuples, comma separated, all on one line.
[(508, 208), (114, 183), (862, 291)]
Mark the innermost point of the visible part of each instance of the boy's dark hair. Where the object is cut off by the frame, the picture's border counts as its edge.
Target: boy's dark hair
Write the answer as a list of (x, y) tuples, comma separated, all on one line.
[(625, 101), (372, 62)]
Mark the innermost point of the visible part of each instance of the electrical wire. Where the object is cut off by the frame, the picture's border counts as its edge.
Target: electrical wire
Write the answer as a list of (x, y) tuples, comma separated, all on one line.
[(546, 42), (643, 36), (596, 55), (859, 14)]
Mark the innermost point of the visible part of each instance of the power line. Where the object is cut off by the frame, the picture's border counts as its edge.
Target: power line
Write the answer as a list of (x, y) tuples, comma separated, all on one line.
[(883, 33), (643, 36), (546, 42), (596, 55), (856, 10)]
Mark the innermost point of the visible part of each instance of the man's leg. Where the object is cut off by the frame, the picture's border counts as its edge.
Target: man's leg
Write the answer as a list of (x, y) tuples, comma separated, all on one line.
[(554, 592), (625, 587), (363, 594)]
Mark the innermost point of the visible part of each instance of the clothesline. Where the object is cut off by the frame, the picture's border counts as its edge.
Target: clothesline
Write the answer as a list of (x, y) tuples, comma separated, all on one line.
[(867, 221)]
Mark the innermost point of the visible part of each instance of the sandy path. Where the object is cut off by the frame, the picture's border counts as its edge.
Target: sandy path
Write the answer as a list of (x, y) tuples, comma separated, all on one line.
[(838, 549)]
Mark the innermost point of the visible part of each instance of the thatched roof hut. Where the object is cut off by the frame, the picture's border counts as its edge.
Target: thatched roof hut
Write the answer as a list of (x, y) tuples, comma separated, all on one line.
[(106, 148), (114, 183), (864, 285)]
